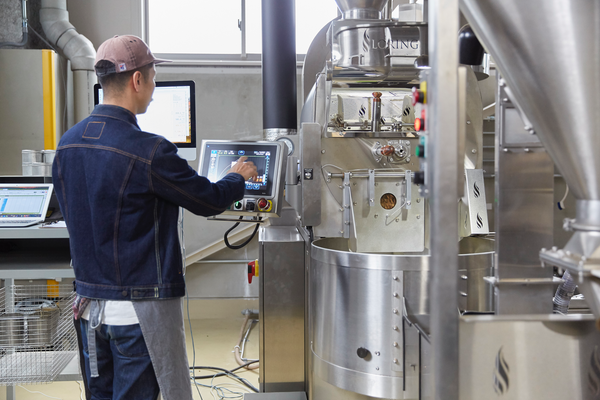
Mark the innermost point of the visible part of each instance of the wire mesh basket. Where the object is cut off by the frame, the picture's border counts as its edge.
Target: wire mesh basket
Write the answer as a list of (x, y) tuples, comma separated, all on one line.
[(37, 336)]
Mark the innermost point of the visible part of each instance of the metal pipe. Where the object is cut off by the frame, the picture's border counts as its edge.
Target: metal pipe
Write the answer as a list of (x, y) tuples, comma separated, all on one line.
[(376, 121), (442, 110), (243, 29), (223, 262), (279, 68), (366, 175), (54, 18), (25, 38)]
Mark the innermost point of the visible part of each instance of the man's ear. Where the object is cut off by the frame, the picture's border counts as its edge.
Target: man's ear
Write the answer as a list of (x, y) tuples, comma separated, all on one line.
[(136, 80)]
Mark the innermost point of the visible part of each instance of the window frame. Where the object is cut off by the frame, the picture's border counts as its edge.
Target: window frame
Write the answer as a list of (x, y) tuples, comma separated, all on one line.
[(241, 59)]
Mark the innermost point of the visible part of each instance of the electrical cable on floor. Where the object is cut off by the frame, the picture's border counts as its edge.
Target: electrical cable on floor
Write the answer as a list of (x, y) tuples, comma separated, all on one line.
[(239, 246), (241, 342), (34, 392), (80, 390), (226, 372), (220, 390)]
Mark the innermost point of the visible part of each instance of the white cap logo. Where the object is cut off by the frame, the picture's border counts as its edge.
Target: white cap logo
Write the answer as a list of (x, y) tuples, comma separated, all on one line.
[(122, 67)]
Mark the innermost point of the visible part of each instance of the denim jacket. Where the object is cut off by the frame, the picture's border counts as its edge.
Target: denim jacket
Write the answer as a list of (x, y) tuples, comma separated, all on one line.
[(120, 190)]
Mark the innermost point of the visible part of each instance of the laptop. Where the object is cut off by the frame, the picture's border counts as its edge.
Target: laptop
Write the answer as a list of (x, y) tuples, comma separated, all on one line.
[(24, 205)]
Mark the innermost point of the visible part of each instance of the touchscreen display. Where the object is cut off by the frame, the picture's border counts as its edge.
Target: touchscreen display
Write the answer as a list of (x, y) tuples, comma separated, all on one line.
[(220, 157)]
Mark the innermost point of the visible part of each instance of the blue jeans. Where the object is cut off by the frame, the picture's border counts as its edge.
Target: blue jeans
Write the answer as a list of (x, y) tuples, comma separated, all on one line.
[(124, 364)]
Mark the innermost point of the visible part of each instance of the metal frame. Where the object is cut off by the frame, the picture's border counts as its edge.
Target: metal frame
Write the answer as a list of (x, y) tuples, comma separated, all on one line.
[(443, 160)]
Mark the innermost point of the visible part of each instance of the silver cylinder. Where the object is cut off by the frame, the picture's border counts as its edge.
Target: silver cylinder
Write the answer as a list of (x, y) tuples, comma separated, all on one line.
[(41, 169), (48, 156), (271, 134), (27, 170), (376, 123), (352, 306), (29, 156), (587, 215)]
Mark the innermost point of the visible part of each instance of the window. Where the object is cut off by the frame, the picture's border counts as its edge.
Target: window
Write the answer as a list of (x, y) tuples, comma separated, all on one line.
[(213, 30)]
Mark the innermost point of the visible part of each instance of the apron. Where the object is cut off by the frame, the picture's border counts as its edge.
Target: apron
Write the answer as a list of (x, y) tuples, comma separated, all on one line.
[(162, 326)]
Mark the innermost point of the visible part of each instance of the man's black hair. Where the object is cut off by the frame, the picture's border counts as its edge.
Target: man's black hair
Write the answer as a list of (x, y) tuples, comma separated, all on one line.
[(112, 81)]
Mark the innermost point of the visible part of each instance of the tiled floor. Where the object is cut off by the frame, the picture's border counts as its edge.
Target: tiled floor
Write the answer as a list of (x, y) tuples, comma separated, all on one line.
[(216, 326)]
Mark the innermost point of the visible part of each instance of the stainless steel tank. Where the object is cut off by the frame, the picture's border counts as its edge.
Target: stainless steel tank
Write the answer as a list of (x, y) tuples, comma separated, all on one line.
[(357, 311)]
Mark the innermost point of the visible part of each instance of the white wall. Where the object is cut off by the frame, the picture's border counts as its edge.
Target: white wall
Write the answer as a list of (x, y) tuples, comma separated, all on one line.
[(99, 20)]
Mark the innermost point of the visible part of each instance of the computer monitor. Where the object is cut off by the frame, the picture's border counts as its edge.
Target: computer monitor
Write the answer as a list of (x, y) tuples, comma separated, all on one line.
[(263, 196), (172, 114)]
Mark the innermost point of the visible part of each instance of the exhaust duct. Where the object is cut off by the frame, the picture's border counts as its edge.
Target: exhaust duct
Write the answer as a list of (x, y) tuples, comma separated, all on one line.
[(76, 48)]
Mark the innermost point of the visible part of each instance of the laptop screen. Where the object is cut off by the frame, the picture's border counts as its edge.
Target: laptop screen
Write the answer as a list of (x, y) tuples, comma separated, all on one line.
[(24, 201)]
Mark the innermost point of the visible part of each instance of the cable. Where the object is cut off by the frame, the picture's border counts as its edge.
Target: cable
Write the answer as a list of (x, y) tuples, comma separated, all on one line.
[(236, 349), (193, 367), (239, 246), (561, 204), (80, 390), (31, 391), (221, 389), (227, 372)]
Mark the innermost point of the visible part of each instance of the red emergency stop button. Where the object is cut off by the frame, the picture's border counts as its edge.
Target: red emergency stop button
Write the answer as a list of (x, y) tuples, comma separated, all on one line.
[(418, 96), (252, 270), (264, 205)]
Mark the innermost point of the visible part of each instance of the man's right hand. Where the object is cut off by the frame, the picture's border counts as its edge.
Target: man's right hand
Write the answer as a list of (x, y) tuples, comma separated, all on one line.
[(247, 169)]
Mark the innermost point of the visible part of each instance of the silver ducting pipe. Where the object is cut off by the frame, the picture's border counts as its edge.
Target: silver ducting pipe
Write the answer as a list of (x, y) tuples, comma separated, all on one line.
[(76, 48), (23, 41)]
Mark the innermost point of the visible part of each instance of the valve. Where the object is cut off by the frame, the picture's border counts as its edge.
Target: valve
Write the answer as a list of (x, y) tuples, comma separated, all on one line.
[(252, 270), (386, 150)]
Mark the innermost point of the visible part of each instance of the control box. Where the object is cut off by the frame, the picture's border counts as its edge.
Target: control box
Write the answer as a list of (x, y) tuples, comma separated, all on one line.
[(264, 193)]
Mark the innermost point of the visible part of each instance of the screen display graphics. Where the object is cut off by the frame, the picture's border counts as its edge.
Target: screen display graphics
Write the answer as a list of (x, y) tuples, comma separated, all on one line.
[(220, 157), (22, 202), (170, 114)]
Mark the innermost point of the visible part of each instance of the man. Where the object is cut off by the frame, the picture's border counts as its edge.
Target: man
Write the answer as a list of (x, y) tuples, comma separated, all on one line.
[(120, 190)]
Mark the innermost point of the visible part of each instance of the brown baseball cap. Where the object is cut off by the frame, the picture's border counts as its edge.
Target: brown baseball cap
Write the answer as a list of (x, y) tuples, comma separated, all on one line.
[(126, 53)]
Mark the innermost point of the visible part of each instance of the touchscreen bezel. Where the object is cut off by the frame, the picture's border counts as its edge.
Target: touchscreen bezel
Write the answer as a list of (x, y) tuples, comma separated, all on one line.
[(275, 176)]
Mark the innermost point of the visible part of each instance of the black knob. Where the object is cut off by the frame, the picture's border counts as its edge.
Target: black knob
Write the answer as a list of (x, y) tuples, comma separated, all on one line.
[(362, 352), (419, 178)]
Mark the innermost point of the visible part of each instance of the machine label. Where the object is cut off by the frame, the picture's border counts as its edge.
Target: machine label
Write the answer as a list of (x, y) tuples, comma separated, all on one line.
[(501, 370), (370, 43)]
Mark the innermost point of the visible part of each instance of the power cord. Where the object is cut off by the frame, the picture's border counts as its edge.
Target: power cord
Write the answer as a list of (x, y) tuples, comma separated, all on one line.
[(227, 372), (239, 246), (561, 203), (187, 295)]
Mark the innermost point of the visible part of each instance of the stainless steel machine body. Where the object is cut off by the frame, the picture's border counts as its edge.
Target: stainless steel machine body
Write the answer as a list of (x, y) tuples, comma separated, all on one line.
[(366, 312), (529, 357), (281, 306), (560, 98), (387, 270), (369, 302)]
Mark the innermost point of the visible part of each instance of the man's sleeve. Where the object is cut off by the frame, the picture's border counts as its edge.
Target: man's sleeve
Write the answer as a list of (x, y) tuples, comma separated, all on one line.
[(172, 179)]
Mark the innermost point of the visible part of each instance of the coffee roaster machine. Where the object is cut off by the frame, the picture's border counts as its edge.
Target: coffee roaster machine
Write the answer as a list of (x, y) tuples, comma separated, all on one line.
[(381, 279)]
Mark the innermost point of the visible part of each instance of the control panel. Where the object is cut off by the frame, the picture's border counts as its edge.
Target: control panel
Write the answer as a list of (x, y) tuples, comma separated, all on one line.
[(264, 193)]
